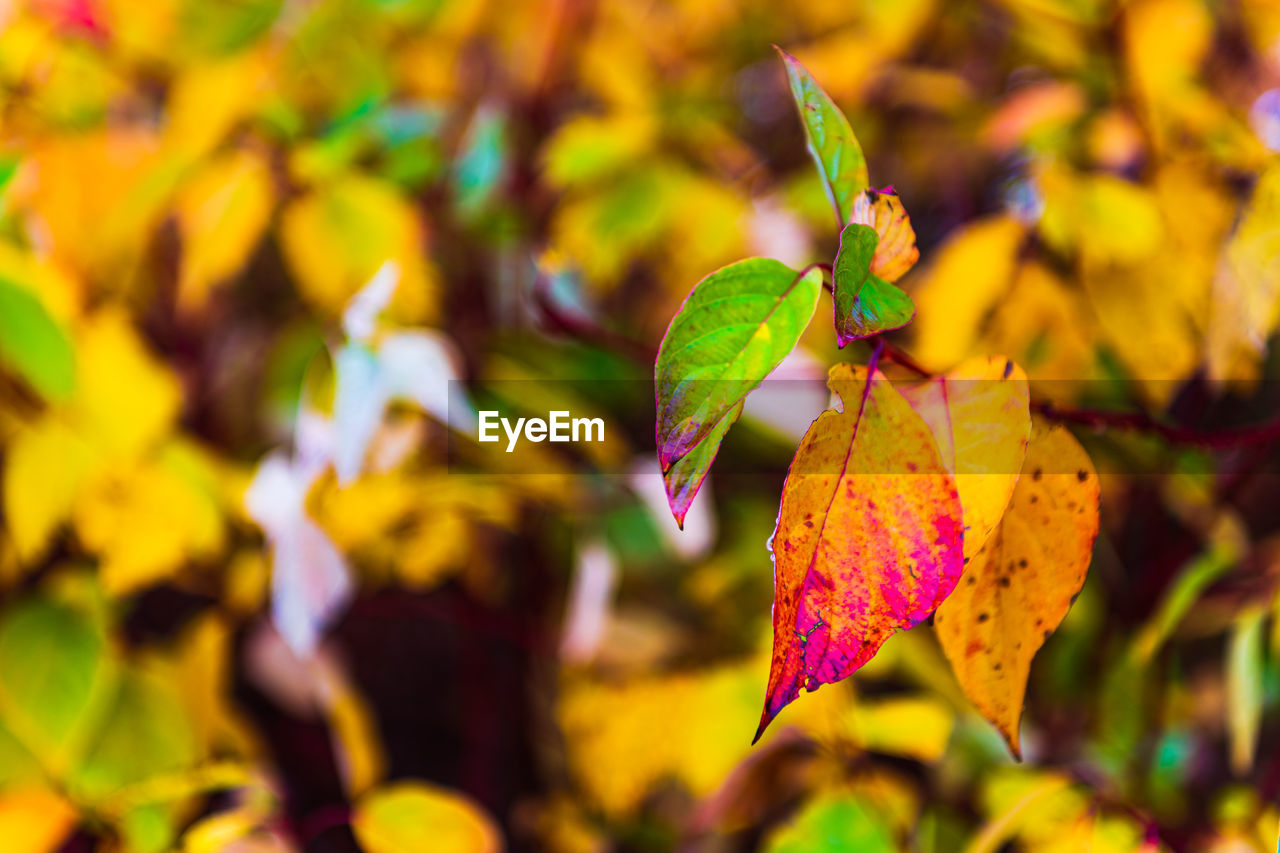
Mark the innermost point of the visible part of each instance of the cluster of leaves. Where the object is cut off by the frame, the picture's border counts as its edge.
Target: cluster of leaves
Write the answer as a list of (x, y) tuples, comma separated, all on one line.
[(260, 262), (891, 497)]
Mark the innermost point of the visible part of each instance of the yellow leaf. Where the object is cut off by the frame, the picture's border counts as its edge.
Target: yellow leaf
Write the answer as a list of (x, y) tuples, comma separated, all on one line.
[(1019, 588), (145, 521), (1047, 327), (1103, 218), (221, 215), (35, 821), (979, 414), (335, 239), (209, 98), (915, 727), (968, 277), (610, 732), (400, 817), (126, 399), (1129, 298), (45, 466), (1165, 42), (1245, 306)]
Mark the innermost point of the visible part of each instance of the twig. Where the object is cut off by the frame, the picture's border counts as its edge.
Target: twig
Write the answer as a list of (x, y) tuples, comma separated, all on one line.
[(581, 328), (901, 358), (1142, 422)]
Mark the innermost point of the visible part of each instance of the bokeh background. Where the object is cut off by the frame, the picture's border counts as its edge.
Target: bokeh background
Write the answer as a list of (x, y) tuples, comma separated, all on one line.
[(257, 595)]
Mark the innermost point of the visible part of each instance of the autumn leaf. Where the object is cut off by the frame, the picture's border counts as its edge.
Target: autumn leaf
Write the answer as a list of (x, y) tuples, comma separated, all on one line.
[(896, 252), (1245, 306), (733, 329), (401, 815), (221, 214), (980, 416), (830, 139), (865, 304), (969, 276), (869, 537), (683, 479), (1017, 590)]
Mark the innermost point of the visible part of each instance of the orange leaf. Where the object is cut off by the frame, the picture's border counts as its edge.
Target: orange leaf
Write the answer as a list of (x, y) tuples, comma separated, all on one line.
[(980, 416), (868, 541), (1019, 587), (896, 251)]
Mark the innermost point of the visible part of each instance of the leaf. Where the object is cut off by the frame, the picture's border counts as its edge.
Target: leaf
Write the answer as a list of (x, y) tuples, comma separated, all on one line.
[(399, 817), (869, 537), (733, 329), (980, 416), (52, 660), (144, 733), (221, 215), (590, 148), (33, 344), (830, 139), (146, 522), (336, 238), (126, 399), (45, 466), (1245, 680), (968, 278), (683, 479), (834, 821), (1245, 306), (35, 820), (896, 251), (865, 304), (1017, 590)]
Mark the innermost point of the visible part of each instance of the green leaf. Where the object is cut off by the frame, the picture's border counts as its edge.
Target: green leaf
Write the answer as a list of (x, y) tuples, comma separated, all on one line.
[(865, 304), (1244, 688), (831, 141), (52, 658), (734, 328), (685, 477), (145, 733), (833, 822), (33, 344)]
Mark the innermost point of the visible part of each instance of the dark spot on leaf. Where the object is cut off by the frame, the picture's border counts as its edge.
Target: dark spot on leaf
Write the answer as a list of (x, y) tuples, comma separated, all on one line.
[(1037, 474), (996, 666), (1008, 368), (1082, 475), (1022, 564), (983, 617), (1004, 582)]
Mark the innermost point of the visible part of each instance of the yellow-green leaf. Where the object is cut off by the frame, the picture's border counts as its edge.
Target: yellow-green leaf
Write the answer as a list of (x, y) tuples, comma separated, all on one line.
[(400, 817), (835, 149)]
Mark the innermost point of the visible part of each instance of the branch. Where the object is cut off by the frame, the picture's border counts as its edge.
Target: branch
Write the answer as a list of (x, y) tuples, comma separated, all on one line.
[(582, 329), (1142, 422)]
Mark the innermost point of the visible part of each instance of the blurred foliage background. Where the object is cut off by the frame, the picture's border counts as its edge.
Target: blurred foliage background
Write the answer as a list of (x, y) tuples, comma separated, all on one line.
[(251, 602)]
